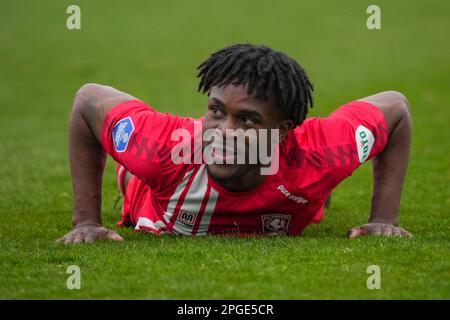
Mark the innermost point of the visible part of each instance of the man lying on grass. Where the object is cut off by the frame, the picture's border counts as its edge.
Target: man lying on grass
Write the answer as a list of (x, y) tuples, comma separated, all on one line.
[(169, 188)]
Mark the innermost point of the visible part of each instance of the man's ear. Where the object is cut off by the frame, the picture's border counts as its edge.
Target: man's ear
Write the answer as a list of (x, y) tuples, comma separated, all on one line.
[(285, 126)]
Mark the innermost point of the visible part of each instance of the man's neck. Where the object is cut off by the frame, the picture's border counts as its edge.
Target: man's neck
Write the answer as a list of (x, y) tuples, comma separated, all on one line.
[(245, 182)]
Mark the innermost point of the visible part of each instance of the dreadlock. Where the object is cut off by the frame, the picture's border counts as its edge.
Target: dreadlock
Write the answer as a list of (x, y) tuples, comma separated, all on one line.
[(267, 73)]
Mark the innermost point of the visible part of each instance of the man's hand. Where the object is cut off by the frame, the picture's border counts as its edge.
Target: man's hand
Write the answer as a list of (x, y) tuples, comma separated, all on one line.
[(88, 233), (378, 229)]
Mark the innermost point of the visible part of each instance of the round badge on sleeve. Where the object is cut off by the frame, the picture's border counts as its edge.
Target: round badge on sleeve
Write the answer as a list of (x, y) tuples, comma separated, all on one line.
[(122, 133)]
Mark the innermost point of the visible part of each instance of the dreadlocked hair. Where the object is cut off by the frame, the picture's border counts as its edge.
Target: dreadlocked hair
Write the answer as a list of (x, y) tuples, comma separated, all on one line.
[(267, 73)]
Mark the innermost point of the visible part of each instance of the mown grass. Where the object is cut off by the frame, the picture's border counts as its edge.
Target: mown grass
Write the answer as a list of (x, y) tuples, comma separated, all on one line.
[(151, 49)]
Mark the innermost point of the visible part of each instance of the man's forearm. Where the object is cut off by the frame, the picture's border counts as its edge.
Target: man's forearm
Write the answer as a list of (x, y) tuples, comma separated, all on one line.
[(389, 169), (87, 161)]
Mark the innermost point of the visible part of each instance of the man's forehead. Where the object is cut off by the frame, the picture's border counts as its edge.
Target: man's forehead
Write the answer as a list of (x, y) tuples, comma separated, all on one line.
[(232, 94)]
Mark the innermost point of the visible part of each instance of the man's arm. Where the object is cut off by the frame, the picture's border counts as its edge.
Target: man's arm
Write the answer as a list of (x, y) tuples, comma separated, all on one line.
[(87, 160), (389, 167)]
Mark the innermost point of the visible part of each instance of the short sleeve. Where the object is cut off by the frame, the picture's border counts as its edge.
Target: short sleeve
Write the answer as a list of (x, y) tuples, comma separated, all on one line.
[(363, 124), (324, 151), (140, 139)]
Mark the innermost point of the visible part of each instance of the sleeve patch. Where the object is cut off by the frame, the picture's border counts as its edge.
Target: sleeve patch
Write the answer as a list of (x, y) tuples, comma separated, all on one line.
[(364, 142), (122, 133)]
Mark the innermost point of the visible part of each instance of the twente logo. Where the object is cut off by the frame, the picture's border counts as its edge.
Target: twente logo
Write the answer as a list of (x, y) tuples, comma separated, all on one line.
[(276, 224), (122, 133), (364, 142)]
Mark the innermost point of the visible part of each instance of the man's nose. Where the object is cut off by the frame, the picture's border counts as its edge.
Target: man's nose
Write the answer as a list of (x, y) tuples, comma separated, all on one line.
[(227, 124)]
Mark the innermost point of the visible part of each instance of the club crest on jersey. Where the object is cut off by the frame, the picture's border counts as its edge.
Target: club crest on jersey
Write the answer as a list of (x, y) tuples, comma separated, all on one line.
[(187, 217), (122, 133), (364, 142), (275, 223)]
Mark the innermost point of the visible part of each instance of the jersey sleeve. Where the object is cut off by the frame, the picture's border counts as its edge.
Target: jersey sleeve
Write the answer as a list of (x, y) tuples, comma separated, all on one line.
[(140, 139), (363, 125), (328, 150)]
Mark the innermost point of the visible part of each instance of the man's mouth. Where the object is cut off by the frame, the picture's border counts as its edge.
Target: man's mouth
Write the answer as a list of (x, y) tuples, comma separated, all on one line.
[(223, 155)]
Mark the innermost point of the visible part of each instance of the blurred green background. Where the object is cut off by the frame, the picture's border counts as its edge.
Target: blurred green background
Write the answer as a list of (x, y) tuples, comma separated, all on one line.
[(151, 50)]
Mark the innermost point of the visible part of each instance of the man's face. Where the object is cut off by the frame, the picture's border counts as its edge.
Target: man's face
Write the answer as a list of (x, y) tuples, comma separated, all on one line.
[(230, 107)]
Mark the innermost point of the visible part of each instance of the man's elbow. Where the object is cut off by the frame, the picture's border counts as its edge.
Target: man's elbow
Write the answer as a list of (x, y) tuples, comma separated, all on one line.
[(87, 107), (399, 102), (88, 88), (401, 123), (86, 95)]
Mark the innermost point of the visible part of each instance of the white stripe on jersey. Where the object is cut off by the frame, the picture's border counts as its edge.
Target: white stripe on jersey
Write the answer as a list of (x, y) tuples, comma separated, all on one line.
[(192, 202), (176, 196), (209, 210), (146, 222)]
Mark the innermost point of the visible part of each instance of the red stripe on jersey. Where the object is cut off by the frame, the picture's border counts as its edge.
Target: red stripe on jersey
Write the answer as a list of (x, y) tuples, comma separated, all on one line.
[(202, 211), (181, 199)]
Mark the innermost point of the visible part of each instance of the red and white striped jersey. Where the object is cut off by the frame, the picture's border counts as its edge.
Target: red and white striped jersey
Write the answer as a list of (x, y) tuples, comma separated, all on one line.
[(183, 199)]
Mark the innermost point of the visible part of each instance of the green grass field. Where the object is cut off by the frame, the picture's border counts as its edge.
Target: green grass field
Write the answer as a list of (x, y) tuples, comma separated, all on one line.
[(151, 49)]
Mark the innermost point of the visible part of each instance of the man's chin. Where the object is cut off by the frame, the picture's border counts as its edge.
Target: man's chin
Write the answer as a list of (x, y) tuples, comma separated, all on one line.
[(224, 172)]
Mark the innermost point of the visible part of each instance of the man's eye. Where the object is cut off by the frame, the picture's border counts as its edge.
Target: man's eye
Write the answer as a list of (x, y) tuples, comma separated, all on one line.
[(248, 120), (216, 111)]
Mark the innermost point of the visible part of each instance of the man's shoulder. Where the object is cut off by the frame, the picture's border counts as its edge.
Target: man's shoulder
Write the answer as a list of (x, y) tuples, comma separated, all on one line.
[(313, 133), (318, 143)]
